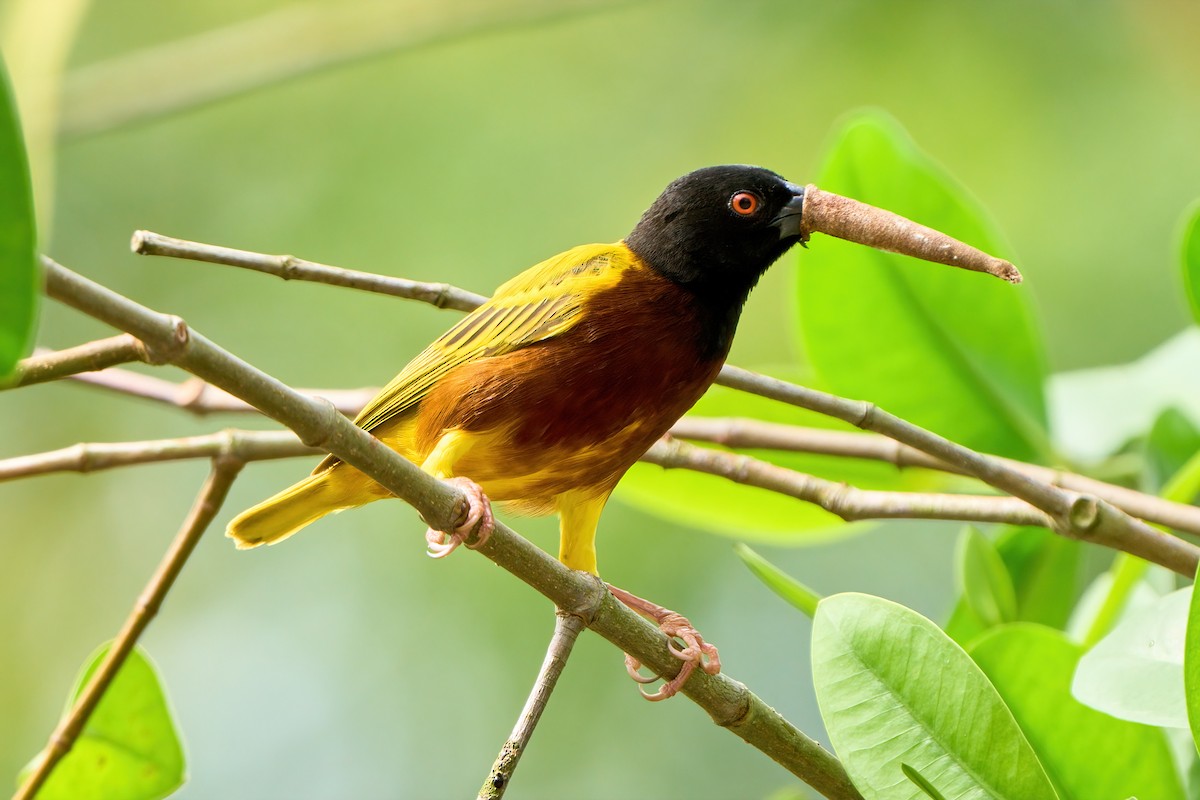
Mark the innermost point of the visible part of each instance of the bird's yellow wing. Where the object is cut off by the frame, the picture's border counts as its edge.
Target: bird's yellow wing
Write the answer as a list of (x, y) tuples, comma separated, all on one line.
[(540, 303)]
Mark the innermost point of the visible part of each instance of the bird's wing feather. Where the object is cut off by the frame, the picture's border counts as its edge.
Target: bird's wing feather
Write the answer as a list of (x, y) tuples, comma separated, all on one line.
[(540, 303)]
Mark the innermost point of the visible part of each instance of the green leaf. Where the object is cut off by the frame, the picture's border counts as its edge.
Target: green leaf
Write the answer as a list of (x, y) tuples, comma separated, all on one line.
[(1191, 667), (1190, 258), (129, 749), (1044, 569), (928, 788), (983, 579), (743, 512), (955, 352), (1088, 755), (1136, 671), (18, 237), (779, 581), (894, 689)]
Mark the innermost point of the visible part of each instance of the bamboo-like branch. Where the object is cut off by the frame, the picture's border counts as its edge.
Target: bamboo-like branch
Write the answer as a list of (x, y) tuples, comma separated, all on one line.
[(208, 503), (744, 433), (566, 630), (318, 424), (1074, 514), (845, 501), (276, 47)]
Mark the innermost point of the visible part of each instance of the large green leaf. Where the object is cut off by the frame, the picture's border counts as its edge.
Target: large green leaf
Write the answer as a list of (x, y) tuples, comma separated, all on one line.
[(893, 690), (18, 237), (720, 506), (1190, 258), (1136, 671), (956, 352), (1088, 755), (129, 749)]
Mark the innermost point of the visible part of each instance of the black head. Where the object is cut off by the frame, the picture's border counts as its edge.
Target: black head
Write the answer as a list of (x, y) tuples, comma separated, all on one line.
[(716, 230)]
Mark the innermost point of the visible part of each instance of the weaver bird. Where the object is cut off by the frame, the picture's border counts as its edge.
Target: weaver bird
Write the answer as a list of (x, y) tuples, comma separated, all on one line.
[(546, 394)]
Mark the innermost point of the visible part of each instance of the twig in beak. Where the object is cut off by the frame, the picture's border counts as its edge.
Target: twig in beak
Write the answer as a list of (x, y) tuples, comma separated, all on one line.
[(858, 222)]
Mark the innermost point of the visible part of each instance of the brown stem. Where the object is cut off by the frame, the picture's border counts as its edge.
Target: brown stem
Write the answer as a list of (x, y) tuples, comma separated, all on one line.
[(566, 630), (208, 503), (855, 221)]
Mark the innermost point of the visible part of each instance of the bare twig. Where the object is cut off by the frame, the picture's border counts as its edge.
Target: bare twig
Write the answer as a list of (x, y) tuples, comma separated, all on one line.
[(442, 295), (246, 446), (317, 423), (566, 630), (744, 433), (276, 47), (208, 503), (1076, 515), (201, 398), (845, 501), (49, 365)]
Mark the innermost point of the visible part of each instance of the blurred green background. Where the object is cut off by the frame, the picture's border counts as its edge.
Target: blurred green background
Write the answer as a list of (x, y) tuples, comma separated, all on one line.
[(344, 663)]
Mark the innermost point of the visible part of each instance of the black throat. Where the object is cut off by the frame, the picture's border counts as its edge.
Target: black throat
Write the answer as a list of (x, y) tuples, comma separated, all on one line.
[(718, 302)]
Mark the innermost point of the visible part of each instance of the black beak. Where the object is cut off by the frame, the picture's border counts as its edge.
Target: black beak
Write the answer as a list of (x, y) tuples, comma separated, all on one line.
[(788, 218)]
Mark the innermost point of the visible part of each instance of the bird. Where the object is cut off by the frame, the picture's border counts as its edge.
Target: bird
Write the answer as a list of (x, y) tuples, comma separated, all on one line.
[(545, 395)]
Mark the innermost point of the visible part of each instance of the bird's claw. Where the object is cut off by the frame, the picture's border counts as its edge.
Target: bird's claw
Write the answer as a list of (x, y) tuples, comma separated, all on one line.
[(694, 652), (440, 544)]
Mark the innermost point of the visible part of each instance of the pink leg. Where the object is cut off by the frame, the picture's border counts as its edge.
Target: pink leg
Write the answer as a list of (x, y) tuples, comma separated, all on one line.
[(479, 512), (695, 652)]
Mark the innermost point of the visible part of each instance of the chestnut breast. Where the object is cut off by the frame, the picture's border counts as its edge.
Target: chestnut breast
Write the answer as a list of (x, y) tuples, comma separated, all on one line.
[(577, 410)]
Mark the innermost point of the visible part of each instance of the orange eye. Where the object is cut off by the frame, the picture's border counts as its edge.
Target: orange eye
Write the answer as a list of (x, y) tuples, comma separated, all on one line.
[(744, 203)]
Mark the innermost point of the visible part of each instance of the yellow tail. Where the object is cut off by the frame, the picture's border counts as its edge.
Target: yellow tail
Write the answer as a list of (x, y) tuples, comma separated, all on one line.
[(277, 518)]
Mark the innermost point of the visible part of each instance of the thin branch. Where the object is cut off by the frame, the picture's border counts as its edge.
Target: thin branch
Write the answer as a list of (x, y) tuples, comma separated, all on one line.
[(744, 433), (1075, 515), (49, 365), (845, 501), (276, 47), (566, 630), (442, 295), (729, 703), (201, 398), (208, 503), (86, 457)]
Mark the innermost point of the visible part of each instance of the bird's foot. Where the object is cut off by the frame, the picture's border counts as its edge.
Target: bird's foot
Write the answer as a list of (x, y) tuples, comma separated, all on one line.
[(695, 651), (479, 512)]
